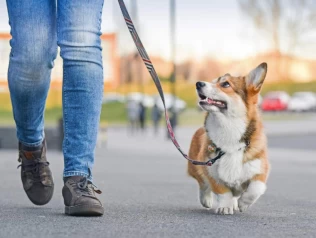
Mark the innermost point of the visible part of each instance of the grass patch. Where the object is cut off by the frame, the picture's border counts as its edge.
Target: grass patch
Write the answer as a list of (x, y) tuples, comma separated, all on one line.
[(192, 116), (5, 100), (6, 117), (51, 116), (289, 87), (184, 90), (115, 113)]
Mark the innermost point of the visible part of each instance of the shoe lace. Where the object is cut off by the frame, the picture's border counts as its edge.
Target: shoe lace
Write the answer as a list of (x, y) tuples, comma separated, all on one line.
[(33, 166), (85, 187)]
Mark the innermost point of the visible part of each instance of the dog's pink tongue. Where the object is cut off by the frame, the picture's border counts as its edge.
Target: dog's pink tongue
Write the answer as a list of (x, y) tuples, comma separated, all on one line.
[(209, 101)]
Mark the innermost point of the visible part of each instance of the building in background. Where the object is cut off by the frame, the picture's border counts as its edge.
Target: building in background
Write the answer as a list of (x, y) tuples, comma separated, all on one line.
[(111, 62)]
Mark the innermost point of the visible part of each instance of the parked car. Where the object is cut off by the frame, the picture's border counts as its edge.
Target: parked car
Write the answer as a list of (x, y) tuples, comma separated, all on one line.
[(180, 105), (260, 99), (275, 101), (113, 97), (147, 100), (302, 101)]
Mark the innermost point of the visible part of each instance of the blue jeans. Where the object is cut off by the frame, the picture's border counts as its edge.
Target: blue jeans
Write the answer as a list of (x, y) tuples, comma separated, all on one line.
[(37, 28)]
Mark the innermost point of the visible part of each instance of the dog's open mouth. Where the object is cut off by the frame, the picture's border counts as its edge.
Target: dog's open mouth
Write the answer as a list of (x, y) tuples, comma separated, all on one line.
[(213, 102)]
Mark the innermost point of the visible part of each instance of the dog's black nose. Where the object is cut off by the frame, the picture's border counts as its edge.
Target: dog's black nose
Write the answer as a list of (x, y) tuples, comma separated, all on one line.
[(200, 85)]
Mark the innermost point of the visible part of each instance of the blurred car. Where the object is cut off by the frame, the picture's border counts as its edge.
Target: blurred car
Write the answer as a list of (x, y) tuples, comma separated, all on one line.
[(302, 101), (113, 97), (147, 100), (275, 101), (260, 99), (180, 105)]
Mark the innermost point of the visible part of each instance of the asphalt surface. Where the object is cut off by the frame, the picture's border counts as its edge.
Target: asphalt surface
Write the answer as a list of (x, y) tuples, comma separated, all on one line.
[(147, 193), (305, 142)]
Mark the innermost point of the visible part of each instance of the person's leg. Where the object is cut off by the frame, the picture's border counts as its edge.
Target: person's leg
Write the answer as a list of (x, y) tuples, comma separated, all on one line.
[(78, 33), (134, 126), (130, 126), (156, 124), (79, 25), (33, 50)]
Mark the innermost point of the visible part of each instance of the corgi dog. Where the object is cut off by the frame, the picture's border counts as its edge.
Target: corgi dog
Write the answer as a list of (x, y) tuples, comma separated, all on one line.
[(232, 125)]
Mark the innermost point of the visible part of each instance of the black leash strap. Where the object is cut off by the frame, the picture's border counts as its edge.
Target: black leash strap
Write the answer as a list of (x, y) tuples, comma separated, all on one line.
[(156, 80)]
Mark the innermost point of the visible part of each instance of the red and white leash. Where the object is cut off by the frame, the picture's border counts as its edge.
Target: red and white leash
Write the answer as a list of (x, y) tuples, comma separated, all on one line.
[(156, 80)]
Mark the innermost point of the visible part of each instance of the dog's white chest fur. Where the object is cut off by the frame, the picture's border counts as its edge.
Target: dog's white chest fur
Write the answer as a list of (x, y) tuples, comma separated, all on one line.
[(231, 170), (226, 134)]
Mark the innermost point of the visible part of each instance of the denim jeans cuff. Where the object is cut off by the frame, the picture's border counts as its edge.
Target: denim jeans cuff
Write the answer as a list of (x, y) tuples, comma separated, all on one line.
[(35, 144), (77, 173)]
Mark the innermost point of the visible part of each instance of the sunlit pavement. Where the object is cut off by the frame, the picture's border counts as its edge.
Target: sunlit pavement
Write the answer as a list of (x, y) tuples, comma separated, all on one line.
[(147, 193)]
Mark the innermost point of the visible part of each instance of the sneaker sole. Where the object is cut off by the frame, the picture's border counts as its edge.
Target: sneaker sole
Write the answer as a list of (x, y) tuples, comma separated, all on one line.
[(84, 210), (43, 202)]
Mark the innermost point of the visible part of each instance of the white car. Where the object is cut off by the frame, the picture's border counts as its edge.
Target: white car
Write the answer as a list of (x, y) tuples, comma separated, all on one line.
[(147, 100), (302, 101), (260, 99), (113, 97), (180, 105)]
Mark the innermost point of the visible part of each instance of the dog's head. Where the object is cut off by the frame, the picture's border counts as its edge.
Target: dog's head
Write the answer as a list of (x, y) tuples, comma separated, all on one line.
[(231, 95)]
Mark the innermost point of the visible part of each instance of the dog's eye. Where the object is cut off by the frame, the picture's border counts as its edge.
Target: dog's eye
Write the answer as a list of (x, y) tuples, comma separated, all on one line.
[(225, 85)]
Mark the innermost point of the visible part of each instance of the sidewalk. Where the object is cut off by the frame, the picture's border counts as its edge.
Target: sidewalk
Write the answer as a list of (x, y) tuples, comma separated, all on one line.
[(301, 127), (147, 193), (290, 127)]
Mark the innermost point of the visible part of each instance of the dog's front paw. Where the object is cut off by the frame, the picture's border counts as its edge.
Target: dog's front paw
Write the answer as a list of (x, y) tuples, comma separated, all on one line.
[(206, 198), (224, 204), (225, 211), (243, 206), (254, 191)]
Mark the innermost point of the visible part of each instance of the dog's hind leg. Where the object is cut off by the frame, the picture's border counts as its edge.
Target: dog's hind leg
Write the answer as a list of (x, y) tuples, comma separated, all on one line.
[(253, 192)]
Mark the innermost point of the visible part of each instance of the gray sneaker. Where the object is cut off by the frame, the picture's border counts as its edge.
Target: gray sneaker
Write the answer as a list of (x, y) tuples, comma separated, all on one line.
[(36, 176), (80, 197)]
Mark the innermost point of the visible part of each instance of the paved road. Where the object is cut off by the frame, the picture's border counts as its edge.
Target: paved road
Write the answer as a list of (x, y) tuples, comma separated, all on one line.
[(147, 194), (305, 142)]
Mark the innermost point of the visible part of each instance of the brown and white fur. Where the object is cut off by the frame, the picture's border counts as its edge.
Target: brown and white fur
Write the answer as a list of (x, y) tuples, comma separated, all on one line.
[(238, 179)]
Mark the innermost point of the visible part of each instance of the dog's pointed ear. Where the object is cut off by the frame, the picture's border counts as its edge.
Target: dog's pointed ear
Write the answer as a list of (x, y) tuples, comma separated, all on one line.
[(255, 78)]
